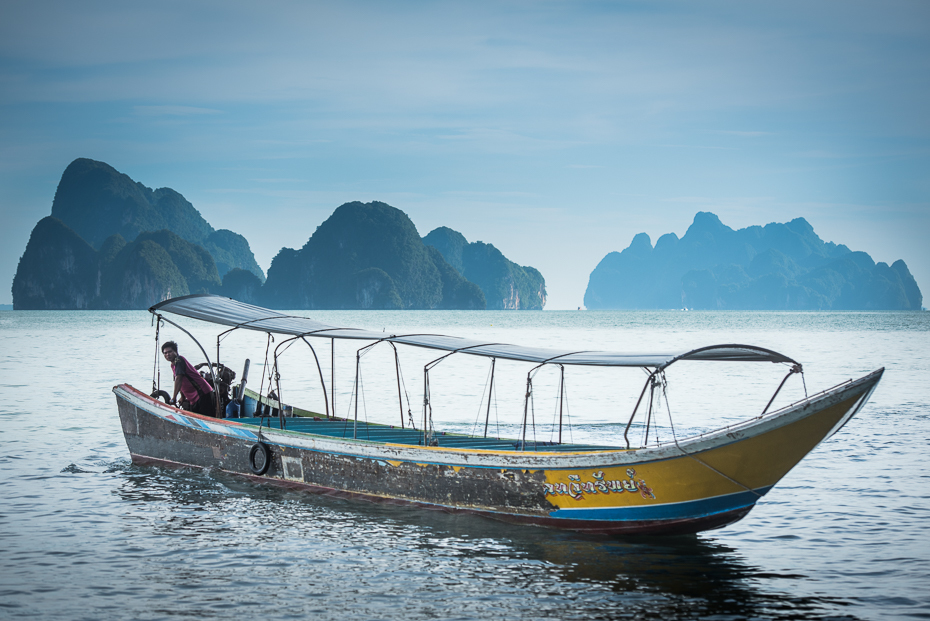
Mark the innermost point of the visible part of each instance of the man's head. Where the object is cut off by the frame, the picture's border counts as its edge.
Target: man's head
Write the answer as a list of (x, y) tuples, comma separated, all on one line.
[(170, 351)]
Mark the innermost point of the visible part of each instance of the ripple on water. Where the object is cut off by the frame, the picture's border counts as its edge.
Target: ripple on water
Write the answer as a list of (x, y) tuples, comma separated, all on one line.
[(86, 535)]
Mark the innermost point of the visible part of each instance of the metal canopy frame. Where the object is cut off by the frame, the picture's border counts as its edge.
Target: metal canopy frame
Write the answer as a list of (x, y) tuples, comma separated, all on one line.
[(238, 315)]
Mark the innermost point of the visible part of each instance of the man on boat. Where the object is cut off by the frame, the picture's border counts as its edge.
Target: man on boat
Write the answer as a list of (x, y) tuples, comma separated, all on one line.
[(194, 388)]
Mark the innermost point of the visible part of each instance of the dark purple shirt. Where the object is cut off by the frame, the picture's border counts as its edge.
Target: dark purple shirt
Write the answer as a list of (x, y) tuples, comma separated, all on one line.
[(188, 374)]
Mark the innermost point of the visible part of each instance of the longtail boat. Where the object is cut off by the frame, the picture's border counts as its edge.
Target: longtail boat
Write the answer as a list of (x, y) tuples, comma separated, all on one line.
[(680, 486)]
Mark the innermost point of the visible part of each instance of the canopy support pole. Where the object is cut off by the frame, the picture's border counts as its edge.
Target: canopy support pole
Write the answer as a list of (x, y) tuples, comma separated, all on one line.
[(320, 371), (358, 358), (156, 368), (332, 372), (259, 409), (427, 406), (487, 416), (427, 429), (526, 407), (794, 369), (400, 398), (277, 382), (526, 402), (219, 337), (652, 394), (633, 415), (561, 398)]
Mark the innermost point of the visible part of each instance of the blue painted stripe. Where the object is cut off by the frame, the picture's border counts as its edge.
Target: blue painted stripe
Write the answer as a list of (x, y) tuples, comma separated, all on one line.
[(242, 433), (670, 511)]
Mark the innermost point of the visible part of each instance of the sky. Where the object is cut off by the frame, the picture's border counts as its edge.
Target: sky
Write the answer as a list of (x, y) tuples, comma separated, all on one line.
[(554, 130)]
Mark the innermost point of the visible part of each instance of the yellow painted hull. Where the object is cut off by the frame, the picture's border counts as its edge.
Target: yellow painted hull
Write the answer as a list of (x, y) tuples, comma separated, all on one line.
[(701, 480)]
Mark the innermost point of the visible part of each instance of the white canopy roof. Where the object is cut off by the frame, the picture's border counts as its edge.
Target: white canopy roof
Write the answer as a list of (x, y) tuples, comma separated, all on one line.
[(229, 312)]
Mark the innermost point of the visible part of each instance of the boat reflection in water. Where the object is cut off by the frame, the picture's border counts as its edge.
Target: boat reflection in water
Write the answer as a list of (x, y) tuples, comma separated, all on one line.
[(683, 486), (245, 543)]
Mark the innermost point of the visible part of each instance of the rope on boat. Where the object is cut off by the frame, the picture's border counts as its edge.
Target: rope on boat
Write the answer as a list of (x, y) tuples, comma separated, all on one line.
[(401, 382), (407, 397), (663, 395), (361, 390), (277, 381), (488, 389), (709, 467), (652, 393), (668, 407), (560, 407), (529, 407), (692, 456), (348, 416), (156, 368), (568, 415), (533, 418), (259, 409), (428, 430)]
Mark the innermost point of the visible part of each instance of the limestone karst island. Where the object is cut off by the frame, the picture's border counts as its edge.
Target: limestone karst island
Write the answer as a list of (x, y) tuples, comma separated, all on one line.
[(772, 267), (113, 243)]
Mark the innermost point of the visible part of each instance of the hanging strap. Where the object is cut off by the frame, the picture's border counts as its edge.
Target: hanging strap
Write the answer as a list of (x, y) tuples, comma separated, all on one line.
[(156, 368)]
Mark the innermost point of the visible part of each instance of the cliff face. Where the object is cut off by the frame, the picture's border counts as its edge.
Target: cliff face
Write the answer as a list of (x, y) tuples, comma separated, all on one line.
[(97, 201), (58, 270), (369, 256), (506, 285), (61, 271), (778, 266), (457, 291), (114, 243)]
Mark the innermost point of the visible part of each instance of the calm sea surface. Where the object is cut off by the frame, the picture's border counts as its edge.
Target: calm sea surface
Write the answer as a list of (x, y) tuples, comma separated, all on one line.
[(84, 534)]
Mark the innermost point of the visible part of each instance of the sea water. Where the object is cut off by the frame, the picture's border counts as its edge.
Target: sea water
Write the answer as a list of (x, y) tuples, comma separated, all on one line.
[(84, 534)]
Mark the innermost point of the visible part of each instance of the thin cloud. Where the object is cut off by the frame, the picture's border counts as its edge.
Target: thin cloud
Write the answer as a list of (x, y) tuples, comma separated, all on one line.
[(279, 180), (173, 111), (744, 134)]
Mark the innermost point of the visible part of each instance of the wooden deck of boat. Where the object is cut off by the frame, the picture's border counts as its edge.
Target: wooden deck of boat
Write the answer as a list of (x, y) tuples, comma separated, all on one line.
[(339, 428)]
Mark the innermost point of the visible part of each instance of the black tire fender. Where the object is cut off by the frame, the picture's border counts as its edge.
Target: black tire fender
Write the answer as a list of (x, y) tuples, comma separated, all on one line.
[(259, 458), (161, 394)]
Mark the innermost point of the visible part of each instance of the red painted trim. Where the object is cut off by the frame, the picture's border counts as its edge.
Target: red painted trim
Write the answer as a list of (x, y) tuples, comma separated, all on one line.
[(164, 406)]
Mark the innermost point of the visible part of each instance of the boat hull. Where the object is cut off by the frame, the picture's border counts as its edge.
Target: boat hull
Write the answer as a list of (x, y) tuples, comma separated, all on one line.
[(684, 487)]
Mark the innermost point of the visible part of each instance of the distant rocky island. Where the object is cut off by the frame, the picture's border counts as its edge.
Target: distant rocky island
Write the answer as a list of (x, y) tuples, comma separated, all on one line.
[(775, 267), (113, 243), (370, 256), (505, 284)]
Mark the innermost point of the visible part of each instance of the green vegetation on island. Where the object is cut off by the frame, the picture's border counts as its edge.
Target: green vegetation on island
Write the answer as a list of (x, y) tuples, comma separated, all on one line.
[(369, 256), (59, 270), (113, 243), (775, 267), (97, 201)]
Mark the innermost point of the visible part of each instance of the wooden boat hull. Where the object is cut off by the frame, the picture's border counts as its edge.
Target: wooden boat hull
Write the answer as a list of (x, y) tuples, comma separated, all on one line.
[(694, 485)]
